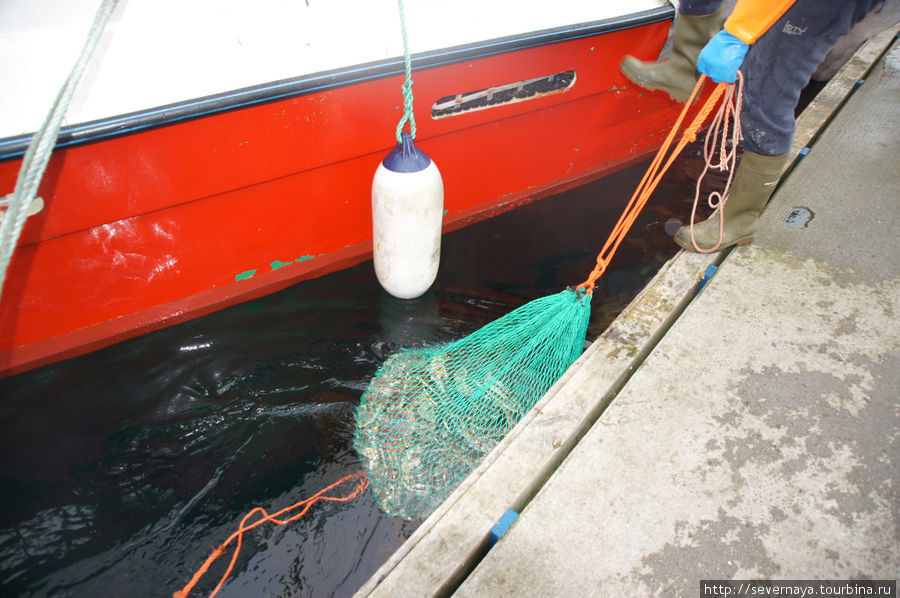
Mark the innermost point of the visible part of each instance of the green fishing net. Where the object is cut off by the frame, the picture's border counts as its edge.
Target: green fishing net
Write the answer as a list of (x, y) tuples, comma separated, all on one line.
[(430, 415)]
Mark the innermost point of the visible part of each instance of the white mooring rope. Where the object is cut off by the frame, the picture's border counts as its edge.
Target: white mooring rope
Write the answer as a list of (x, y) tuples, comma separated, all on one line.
[(38, 153)]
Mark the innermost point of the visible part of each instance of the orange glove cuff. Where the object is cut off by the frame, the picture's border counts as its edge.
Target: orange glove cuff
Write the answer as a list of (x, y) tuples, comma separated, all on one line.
[(751, 18)]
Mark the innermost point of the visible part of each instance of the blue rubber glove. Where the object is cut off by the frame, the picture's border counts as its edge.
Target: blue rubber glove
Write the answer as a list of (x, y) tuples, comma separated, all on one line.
[(722, 57)]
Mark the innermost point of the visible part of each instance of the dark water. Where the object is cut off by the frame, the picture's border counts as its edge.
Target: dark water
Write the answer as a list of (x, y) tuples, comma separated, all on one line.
[(122, 469)]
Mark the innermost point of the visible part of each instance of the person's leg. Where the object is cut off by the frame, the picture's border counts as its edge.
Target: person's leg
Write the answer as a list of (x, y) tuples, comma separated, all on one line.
[(776, 69), (696, 23), (779, 65)]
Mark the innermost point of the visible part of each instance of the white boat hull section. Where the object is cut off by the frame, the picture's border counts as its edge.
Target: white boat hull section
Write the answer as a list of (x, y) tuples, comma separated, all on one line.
[(159, 52)]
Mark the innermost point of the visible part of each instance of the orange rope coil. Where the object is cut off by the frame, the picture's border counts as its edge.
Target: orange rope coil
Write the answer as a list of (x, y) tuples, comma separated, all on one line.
[(304, 505), (718, 131), (654, 174)]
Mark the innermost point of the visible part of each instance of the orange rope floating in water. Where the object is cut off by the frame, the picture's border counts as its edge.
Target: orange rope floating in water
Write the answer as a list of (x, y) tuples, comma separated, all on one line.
[(652, 177), (304, 505)]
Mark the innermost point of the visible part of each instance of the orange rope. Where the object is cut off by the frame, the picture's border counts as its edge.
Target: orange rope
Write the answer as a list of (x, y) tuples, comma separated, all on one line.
[(652, 177), (304, 505), (718, 130)]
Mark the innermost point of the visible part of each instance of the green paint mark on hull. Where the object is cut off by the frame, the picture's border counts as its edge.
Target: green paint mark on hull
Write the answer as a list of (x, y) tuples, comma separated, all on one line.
[(244, 275), (279, 264), (303, 258)]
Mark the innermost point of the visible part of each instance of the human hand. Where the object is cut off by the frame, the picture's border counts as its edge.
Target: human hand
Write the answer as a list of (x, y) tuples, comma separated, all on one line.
[(722, 57)]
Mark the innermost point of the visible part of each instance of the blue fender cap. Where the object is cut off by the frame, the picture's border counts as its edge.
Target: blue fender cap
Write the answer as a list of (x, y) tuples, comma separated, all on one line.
[(406, 157)]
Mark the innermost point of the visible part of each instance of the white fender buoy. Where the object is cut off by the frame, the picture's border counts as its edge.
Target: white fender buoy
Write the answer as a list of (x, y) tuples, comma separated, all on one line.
[(407, 211)]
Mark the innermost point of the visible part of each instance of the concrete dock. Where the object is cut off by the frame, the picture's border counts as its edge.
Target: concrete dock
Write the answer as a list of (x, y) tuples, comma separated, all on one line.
[(745, 430)]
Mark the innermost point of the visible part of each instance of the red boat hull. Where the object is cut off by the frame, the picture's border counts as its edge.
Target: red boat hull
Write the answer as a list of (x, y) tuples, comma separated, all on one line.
[(146, 229)]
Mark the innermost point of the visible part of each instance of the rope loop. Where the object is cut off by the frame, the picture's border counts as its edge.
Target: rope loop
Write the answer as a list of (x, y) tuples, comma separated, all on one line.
[(658, 167), (729, 113)]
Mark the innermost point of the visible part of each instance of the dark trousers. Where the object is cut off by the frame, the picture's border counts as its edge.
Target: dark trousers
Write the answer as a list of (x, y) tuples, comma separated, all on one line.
[(779, 65)]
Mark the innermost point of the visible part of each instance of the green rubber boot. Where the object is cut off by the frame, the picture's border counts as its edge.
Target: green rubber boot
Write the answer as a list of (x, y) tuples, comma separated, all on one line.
[(754, 183), (677, 75)]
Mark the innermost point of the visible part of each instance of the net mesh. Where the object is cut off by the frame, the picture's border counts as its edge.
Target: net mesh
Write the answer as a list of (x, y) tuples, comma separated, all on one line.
[(430, 415)]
